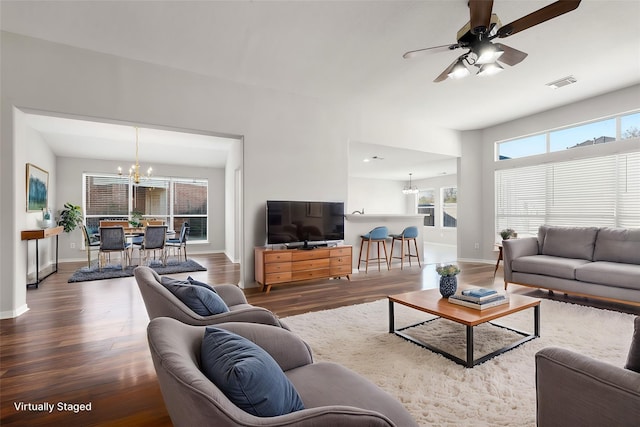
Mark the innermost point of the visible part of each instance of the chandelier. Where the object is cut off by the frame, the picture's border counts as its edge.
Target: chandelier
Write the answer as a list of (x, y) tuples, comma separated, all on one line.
[(134, 170), (410, 189)]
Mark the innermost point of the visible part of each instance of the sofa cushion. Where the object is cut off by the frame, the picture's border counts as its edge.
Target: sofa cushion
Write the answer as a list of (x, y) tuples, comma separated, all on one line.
[(548, 265), (198, 298), (633, 358), (570, 242), (195, 282), (618, 245), (610, 273), (542, 233), (247, 374)]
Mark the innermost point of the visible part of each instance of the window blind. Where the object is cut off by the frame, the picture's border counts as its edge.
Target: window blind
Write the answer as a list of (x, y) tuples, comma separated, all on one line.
[(601, 191)]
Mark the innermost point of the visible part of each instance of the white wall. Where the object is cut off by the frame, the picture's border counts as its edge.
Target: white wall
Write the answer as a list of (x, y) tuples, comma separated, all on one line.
[(233, 203), (69, 189), (376, 196), (40, 155), (471, 200), (478, 165)]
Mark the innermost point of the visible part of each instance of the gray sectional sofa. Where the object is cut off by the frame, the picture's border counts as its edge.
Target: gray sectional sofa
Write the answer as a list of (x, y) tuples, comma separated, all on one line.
[(588, 261)]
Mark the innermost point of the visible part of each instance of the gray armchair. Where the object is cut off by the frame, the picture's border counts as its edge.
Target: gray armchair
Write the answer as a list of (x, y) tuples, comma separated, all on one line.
[(160, 302), (332, 394), (575, 390)]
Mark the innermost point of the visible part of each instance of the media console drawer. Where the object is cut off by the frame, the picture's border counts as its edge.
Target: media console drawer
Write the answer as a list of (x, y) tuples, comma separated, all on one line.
[(282, 266)]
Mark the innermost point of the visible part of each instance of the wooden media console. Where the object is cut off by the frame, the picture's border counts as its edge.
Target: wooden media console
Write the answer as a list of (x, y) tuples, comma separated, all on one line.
[(283, 266)]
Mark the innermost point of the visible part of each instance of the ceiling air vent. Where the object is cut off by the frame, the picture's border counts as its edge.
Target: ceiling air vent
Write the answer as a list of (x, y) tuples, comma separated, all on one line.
[(562, 82)]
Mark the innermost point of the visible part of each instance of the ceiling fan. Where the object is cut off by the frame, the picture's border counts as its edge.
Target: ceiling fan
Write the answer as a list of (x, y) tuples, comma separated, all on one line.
[(482, 28)]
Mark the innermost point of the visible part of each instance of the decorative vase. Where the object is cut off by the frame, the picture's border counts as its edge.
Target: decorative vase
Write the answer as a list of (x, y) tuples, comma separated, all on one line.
[(448, 286)]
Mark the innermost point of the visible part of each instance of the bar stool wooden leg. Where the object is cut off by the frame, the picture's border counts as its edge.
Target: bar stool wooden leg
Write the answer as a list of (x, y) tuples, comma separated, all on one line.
[(386, 258), (393, 241), (360, 256), (415, 243)]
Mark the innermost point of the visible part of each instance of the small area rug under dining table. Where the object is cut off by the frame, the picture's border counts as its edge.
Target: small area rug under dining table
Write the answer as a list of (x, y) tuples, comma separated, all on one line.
[(439, 392), (86, 274)]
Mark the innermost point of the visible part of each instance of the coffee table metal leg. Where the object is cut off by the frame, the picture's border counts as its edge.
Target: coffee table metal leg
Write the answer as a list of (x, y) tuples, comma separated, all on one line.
[(469, 347), (536, 320), (391, 318)]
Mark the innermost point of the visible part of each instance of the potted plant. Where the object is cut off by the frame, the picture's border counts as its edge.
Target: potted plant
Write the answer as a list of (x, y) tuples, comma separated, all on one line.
[(70, 217), (507, 233), (448, 280), (136, 219)]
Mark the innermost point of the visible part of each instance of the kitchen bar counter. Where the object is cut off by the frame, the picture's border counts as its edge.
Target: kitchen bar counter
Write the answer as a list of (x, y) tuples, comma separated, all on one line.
[(357, 225)]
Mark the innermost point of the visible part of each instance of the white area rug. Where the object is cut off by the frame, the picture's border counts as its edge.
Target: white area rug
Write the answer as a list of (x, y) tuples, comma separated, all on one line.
[(439, 392)]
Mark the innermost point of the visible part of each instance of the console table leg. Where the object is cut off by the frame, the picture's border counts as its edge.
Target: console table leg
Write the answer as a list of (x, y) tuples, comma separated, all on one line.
[(37, 264), (469, 346)]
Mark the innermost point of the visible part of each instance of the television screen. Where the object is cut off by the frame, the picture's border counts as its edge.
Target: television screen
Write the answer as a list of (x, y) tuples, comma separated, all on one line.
[(298, 221)]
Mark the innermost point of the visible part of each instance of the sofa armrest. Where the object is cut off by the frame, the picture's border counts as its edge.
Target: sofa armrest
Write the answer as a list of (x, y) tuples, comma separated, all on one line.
[(231, 294), (248, 313), (574, 389), (516, 248), (287, 349)]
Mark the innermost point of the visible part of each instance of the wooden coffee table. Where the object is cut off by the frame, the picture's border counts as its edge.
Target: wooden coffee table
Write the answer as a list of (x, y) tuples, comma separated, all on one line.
[(430, 301)]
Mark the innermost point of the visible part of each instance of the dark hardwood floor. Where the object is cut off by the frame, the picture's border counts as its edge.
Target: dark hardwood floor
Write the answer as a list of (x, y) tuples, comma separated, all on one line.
[(86, 342)]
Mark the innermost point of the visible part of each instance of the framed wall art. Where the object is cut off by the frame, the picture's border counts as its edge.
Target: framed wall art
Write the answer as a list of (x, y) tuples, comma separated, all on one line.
[(37, 188)]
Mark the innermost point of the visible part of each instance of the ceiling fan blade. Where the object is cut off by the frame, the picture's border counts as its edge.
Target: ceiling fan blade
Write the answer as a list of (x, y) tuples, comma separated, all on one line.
[(480, 11), (539, 16), (434, 49), (445, 73), (510, 56)]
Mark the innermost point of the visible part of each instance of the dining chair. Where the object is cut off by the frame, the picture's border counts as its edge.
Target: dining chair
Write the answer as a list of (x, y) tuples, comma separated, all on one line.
[(90, 244), (181, 242), (112, 240), (154, 240)]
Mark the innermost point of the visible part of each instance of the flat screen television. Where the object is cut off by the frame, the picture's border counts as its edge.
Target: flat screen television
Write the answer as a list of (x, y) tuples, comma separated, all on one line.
[(303, 223)]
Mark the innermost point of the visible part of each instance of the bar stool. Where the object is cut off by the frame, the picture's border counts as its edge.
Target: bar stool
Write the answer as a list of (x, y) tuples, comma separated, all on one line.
[(377, 235), (407, 235)]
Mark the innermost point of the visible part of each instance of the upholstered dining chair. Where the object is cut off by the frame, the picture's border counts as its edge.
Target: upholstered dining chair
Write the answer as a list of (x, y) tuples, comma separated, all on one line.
[(332, 394), (155, 237), (160, 302), (89, 244), (408, 235), (181, 242), (112, 240)]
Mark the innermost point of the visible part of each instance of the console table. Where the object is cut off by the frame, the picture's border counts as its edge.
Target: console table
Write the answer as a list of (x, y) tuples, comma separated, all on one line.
[(37, 235), (282, 266)]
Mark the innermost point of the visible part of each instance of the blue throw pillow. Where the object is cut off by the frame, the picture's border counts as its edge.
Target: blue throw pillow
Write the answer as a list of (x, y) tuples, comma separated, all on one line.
[(199, 283), (247, 374), (198, 298)]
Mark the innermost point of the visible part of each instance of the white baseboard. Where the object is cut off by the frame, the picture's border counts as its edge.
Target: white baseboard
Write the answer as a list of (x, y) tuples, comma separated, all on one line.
[(14, 313), (482, 261)]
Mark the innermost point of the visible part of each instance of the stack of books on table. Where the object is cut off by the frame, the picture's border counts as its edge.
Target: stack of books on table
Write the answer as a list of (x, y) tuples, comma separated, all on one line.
[(479, 298)]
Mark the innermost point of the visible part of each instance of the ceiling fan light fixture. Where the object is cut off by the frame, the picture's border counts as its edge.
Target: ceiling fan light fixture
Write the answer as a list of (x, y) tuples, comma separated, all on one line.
[(459, 70), (490, 69), (488, 53)]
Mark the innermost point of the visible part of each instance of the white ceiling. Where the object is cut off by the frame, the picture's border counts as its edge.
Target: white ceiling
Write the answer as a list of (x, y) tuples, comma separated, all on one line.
[(351, 51), (108, 141)]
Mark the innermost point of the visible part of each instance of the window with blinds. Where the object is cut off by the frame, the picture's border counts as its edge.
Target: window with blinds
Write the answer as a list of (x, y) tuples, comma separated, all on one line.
[(173, 200), (190, 205), (601, 191)]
